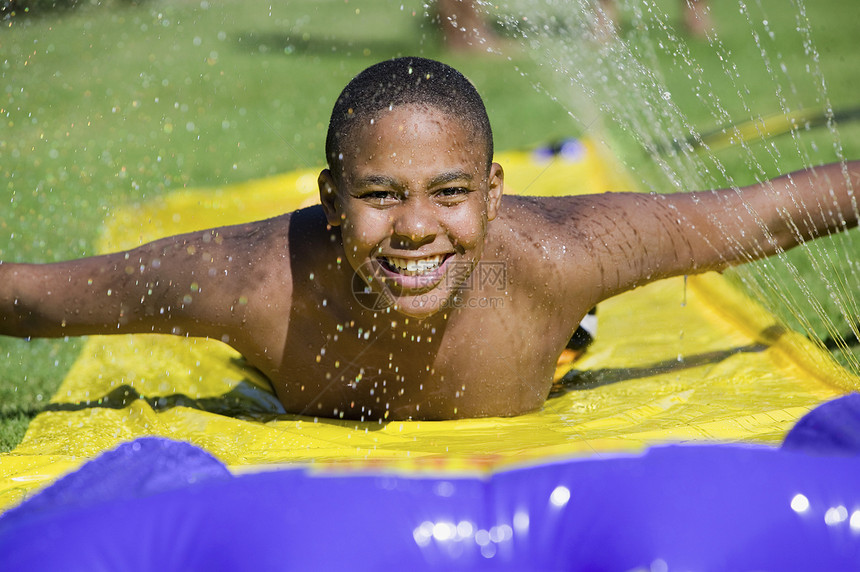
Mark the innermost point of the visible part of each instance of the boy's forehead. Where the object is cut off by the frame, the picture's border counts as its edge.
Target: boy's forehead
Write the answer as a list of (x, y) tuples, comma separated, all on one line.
[(412, 133), (402, 122)]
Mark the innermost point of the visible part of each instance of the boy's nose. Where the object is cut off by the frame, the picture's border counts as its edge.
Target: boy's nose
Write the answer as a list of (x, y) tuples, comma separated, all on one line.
[(414, 224)]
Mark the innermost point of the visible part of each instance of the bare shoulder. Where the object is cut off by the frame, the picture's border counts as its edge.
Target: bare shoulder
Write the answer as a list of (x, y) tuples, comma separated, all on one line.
[(572, 213), (596, 246), (547, 245), (226, 259), (262, 250), (260, 262)]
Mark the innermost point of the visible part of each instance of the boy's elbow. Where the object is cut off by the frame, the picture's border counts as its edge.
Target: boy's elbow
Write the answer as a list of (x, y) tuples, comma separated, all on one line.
[(17, 316), (20, 320), (28, 311)]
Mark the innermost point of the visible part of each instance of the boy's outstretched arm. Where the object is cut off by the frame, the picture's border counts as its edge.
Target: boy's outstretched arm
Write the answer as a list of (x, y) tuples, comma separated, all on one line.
[(198, 284), (767, 218), (637, 238)]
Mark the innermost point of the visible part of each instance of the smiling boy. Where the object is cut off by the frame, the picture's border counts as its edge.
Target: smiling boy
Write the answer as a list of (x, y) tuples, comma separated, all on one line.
[(416, 289)]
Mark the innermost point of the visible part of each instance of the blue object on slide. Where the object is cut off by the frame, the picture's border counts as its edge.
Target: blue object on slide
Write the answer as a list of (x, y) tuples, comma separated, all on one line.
[(139, 468), (830, 429), (703, 507)]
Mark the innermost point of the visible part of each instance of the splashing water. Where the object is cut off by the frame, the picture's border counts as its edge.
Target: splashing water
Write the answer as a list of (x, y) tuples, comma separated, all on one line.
[(644, 88), (124, 102)]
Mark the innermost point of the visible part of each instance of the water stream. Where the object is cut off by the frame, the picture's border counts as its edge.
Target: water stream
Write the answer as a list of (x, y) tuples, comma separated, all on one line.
[(612, 79)]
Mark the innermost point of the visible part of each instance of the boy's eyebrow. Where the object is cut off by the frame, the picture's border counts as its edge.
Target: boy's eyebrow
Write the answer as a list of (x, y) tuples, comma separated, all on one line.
[(377, 180), (449, 176), (388, 181)]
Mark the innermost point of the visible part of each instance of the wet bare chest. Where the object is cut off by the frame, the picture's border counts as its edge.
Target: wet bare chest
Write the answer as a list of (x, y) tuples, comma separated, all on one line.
[(473, 366)]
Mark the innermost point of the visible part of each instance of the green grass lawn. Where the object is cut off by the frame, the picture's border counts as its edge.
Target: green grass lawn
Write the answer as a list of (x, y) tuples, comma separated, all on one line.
[(123, 102)]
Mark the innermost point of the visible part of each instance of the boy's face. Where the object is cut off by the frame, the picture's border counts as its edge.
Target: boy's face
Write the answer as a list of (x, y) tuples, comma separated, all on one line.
[(413, 203)]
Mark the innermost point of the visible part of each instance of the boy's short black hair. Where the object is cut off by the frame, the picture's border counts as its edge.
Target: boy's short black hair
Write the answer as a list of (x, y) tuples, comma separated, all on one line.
[(403, 81)]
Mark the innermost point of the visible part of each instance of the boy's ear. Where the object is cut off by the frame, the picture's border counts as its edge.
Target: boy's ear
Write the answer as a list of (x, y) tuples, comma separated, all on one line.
[(329, 198), (496, 186)]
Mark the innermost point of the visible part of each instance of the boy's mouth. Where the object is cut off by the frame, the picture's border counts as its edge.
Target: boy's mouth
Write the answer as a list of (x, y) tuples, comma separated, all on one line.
[(413, 266)]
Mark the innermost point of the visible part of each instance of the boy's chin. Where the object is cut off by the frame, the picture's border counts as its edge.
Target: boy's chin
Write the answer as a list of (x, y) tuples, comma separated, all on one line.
[(420, 307)]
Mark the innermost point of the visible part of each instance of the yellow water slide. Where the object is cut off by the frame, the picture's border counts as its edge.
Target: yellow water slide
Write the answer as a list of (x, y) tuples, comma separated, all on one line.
[(678, 361)]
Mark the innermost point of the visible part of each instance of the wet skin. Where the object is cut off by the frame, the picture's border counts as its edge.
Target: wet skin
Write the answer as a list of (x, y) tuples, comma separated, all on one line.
[(413, 212)]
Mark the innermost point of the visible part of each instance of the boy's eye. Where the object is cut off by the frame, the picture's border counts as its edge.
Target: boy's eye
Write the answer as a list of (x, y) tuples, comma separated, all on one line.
[(452, 192), (379, 197)]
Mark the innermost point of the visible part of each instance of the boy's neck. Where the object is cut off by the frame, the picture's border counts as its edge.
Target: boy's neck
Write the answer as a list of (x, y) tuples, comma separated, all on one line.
[(402, 325)]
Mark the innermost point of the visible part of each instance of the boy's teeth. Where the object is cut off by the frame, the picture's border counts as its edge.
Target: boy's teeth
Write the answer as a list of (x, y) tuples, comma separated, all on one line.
[(412, 266)]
